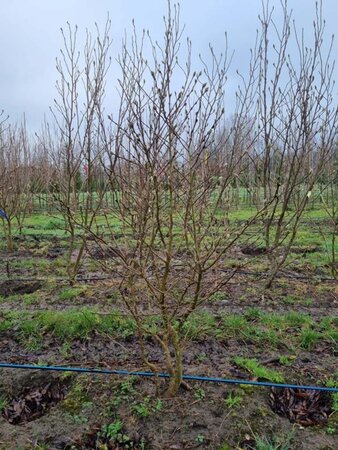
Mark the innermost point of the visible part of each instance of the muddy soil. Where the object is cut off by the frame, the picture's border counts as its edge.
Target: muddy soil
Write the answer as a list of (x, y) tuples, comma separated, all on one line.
[(182, 422), (186, 422), (45, 410), (13, 287)]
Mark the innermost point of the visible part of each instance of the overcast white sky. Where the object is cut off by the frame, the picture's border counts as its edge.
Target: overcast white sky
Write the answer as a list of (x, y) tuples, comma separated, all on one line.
[(31, 39)]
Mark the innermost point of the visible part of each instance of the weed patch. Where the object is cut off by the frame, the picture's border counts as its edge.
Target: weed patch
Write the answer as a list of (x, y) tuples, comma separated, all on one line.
[(257, 370)]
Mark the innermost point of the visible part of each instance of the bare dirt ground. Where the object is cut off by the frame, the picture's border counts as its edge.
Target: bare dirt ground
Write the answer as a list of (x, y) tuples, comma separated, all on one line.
[(49, 410)]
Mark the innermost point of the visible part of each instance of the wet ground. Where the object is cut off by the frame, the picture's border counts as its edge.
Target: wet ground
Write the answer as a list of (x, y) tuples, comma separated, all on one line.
[(48, 410)]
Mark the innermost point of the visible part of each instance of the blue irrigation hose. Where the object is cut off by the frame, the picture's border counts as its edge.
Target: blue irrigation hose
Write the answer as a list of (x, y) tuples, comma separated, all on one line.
[(165, 375)]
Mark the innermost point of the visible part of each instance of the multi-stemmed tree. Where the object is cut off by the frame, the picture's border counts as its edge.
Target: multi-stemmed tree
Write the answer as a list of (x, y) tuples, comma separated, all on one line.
[(295, 121), (79, 140), (15, 185), (172, 164), (171, 200)]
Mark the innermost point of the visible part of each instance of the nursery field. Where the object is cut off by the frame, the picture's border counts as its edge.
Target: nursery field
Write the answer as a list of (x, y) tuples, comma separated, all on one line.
[(285, 334), (169, 241)]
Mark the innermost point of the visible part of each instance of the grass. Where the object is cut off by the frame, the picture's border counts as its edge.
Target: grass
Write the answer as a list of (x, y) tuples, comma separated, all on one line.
[(74, 324), (3, 402), (333, 383), (198, 325), (218, 297), (72, 292), (331, 336), (285, 360), (297, 319), (252, 314), (249, 328), (293, 329), (26, 299), (31, 264), (257, 370), (52, 223), (274, 443), (233, 400), (235, 323), (274, 329), (309, 338), (253, 326)]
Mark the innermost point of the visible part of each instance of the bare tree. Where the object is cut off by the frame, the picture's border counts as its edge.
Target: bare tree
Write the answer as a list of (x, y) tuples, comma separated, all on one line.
[(169, 198), (295, 122), (77, 147), (329, 198), (15, 189)]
